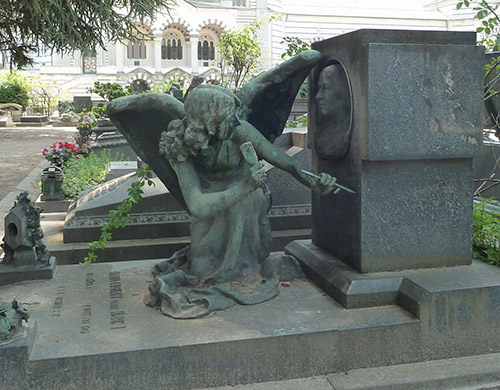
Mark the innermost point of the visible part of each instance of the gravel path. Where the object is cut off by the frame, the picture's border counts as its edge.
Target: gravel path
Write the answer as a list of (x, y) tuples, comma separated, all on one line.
[(21, 152)]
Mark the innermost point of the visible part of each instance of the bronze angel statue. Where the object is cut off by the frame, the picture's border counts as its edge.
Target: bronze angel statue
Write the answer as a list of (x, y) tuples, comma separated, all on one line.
[(195, 150)]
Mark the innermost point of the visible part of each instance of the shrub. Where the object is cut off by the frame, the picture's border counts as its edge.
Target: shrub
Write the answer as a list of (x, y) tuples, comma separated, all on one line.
[(486, 231), (14, 88), (110, 91), (99, 112), (85, 173)]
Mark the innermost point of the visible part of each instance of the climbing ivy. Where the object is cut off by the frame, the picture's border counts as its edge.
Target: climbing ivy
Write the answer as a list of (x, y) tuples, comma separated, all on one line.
[(118, 217)]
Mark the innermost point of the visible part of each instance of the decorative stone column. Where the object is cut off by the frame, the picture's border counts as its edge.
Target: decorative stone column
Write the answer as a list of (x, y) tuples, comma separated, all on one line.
[(157, 54), (194, 54), (119, 48)]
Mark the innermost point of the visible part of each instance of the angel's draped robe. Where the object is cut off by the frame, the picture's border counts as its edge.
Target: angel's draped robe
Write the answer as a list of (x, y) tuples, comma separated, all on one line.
[(228, 260)]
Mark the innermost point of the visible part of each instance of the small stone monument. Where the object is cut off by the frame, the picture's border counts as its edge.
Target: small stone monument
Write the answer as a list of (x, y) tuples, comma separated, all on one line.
[(52, 180), (26, 256)]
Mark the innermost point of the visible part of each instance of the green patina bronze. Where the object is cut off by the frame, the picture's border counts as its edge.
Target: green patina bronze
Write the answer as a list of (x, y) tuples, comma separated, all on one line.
[(11, 317), (196, 149)]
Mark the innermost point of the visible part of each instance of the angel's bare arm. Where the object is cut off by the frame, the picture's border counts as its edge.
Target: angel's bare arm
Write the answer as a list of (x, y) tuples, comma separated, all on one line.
[(205, 205), (267, 151)]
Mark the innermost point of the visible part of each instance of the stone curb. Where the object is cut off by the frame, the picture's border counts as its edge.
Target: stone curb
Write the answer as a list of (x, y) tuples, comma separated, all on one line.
[(467, 373)]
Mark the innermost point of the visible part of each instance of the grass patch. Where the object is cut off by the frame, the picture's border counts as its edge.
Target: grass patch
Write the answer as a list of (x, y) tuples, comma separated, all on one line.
[(85, 173)]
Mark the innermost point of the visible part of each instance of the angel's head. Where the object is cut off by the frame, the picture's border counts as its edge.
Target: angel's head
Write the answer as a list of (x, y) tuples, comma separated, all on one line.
[(211, 110)]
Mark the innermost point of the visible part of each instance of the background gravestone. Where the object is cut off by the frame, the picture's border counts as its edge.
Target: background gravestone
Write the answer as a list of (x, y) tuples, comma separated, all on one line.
[(415, 124), (81, 103)]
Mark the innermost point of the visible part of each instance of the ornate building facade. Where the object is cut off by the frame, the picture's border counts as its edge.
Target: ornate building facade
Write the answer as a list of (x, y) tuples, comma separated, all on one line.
[(184, 42)]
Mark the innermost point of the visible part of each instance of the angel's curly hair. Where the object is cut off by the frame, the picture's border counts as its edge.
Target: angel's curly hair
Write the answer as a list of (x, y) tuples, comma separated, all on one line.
[(206, 107)]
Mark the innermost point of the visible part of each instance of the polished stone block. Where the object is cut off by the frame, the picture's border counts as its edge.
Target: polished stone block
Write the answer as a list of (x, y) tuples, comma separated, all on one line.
[(416, 124)]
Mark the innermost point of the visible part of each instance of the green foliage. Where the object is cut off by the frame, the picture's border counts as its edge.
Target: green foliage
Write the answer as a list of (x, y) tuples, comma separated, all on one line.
[(99, 112), (490, 30), (240, 53), (164, 86), (66, 107), (486, 232), (300, 122), (85, 173), (63, 25), (43, 96), (294, 46), (486, 13), (14, 88), (117, 218), (110, 91)]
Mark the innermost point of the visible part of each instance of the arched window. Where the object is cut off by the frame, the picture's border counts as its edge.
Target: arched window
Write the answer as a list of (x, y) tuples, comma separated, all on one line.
[(171, 46), (206, 48), (136, 50)]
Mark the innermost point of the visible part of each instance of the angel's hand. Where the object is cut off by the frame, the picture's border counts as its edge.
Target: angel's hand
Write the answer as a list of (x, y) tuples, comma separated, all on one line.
[(257, 176), (324, 185)]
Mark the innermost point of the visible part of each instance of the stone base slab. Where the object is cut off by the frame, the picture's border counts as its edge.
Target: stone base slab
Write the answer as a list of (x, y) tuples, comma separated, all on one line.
[(95, 332), (347, 286), (10, 274), (53, 206)]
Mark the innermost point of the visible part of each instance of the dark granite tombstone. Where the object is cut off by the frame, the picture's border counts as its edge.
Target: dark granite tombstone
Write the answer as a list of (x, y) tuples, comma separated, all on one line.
[(406, 147), (405, 238), (81, 103)]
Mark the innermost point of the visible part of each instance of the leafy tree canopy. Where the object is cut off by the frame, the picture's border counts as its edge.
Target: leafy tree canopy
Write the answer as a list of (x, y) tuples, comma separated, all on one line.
[(65, 25)]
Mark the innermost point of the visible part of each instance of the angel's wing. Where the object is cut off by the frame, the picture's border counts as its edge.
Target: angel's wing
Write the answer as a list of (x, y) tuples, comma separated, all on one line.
[(268, 98), (141, 119)]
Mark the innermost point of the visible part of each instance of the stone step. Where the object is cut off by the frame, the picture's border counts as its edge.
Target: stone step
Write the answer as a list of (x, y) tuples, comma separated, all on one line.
[(152, 248), (171, 224)]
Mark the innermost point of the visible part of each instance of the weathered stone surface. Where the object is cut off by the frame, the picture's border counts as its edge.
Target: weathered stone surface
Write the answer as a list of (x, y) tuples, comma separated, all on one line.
[(115, 144), (417, 115), (10, 274), (116, 169), (173, 224), (34, 119), (283, 186), (14, 355), (91, 319), (473, 372), (107, 196)]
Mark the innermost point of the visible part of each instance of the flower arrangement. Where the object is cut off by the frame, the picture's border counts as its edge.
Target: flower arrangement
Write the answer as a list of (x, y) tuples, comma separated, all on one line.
[(87, 122), (83, 142), (60, 152)]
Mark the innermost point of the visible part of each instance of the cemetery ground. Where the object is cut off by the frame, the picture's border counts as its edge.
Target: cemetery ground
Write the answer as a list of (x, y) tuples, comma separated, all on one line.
[(21, 151), (21, 166)]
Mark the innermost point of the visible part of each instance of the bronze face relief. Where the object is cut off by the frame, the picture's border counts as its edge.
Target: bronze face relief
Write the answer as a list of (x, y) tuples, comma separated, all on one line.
[(333, 101)]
